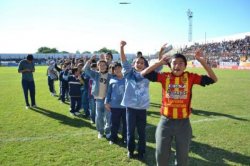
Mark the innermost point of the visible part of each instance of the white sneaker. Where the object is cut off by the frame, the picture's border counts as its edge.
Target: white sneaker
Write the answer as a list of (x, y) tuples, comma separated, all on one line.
[(108, 136), (34, 106), (99, 136), (27, 107), (111, 142), (77, 113)]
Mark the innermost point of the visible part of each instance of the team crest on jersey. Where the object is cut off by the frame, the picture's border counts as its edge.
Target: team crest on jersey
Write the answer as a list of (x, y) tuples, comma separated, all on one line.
[(184, 79)]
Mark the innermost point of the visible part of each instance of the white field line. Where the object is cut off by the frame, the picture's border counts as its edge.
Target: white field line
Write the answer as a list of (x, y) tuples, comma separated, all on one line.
[(94, 132), (216, 119), (27, 139)]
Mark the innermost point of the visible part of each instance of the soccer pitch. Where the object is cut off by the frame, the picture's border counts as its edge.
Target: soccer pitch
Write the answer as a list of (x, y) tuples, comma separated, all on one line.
[(50, 136)]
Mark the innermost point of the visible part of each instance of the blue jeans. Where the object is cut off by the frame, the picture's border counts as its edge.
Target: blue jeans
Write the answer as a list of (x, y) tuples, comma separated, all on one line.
[(75, 104), (167, 130), (51, 85), (92, 109), (118, 114), (29, 86), (64, 92), (136, 118), (85, 101), (102, 118)]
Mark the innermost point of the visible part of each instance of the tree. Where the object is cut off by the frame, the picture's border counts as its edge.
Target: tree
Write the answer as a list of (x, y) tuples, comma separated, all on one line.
[(64, 52), (86, 52), (46, 50), (106, 50)]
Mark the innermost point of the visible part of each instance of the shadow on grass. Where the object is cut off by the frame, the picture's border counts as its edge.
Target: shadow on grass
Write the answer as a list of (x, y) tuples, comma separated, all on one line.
[(150, 152), (155, 105), (149, 158), (206, 113), (75, 122), (67, 103), (215, 156), (154, 113)]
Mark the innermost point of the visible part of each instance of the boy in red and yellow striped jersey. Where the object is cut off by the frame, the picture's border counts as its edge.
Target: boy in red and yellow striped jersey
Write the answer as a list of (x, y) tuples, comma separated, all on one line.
[(176, 104)]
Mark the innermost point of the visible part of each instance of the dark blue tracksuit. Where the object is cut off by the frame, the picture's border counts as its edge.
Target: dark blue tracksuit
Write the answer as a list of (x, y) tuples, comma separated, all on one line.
[(64, 86), (74, 93)]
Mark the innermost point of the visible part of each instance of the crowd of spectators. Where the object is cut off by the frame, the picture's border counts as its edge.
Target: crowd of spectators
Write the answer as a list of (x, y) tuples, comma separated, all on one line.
[(225, 51), (215, 52)]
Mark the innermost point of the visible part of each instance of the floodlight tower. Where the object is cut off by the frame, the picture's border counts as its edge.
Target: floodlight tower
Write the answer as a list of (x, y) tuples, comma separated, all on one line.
[(190, 18)]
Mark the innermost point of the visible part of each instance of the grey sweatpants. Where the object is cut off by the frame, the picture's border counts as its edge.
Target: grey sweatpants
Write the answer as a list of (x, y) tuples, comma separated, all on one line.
[(167, 129)]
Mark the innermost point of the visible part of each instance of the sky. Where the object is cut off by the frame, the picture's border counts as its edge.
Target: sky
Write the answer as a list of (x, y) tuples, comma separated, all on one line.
[(89, 25)]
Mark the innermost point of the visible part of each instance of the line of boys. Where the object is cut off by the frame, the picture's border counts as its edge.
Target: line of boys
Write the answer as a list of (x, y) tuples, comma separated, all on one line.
[(132, 97)]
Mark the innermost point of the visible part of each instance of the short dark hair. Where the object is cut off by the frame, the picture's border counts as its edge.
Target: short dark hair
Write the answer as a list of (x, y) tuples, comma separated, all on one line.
[(178, 55), (93, 65), (117, 64), (139, 54), (110, 54), (74, 70), (93, 61), (144, 59), (30, 57)]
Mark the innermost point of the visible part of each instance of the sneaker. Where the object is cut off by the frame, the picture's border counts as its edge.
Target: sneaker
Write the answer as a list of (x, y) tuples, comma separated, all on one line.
[(130, 155), (34, 106), (111, 142), (108, 136), (124, 142), (27, 107), (77, 113), (100, 136)]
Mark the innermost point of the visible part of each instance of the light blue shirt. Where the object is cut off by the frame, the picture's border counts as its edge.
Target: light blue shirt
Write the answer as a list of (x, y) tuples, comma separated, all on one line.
[(136, 93), (115, 92)]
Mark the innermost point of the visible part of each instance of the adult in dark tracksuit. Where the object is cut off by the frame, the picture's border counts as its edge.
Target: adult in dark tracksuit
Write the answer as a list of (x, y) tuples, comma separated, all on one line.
[(27, 67)]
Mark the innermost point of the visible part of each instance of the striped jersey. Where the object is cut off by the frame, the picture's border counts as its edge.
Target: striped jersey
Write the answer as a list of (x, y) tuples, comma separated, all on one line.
[(176, 93)]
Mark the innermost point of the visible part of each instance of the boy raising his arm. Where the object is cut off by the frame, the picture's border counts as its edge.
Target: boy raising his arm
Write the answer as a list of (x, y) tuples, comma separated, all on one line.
[(176, 104)]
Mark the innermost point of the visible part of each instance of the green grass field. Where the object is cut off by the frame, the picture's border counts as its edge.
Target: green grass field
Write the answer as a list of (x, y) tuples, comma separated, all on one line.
[(50, 136)]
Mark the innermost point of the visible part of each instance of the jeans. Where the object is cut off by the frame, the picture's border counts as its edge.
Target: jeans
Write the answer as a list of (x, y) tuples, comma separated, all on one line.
[(167, 130), (102, 118), (85, 101), (75, 104), (92, 108), (51, 85), (64, 92), (118, 114), (136, 118), (29, 86)]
